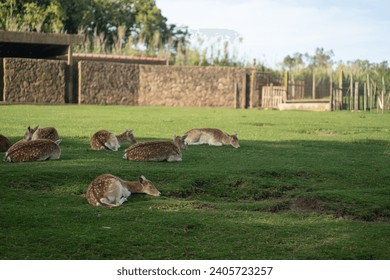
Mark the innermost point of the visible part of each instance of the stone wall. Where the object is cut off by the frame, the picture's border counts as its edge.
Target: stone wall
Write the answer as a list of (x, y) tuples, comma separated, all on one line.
[(192, 86), (107, 83), (97, 82), (34, 81)]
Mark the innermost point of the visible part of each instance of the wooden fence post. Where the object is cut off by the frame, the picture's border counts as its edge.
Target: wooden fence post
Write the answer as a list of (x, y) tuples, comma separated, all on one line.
[(253, 101), (340, 91), (356, 101), (286, 78), (351, 92), (365, 97), (236, 96), (71, 98), (314, 86), (332, 97), (383, 94), (243, 95), (369, 92)]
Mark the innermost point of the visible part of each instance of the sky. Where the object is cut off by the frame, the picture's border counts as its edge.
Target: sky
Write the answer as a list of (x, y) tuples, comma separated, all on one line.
[(269, 30)]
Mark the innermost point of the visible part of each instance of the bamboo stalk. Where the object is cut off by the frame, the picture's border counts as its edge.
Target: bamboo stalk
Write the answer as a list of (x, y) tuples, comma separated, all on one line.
[(365, 97), (383, 94), (356, 99)]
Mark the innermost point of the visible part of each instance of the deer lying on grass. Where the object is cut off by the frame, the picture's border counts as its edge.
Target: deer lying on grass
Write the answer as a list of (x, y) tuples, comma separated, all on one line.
[(210, 136), (106, 140), (34, 150), (111, 191), (5, 144), (156, 150), (41, 133)]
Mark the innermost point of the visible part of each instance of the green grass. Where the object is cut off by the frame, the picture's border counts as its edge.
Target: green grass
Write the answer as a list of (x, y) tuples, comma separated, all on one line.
[(303, 185)]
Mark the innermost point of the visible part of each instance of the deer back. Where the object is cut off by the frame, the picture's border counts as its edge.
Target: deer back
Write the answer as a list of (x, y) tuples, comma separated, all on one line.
[(34, 150), (153, 151), (210, 135), (204, 135), (5, 144), (46, 133)]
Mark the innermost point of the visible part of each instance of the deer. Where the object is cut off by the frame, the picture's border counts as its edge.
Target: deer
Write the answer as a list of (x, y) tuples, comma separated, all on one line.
[(156, 150), (106, 140), (41, 133), (5, 144), (33, 150), (210, 136), (111, 191)]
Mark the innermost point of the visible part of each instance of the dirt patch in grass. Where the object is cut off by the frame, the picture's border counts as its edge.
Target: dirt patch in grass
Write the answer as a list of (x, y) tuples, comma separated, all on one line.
[(320, 132), (307, 204), (196, 205)]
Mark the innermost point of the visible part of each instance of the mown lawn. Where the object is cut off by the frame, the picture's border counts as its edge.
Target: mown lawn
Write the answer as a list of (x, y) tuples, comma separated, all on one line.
[(303, 185)]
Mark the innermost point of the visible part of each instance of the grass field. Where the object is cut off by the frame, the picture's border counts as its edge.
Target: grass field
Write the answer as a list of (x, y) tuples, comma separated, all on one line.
[(303, 185)]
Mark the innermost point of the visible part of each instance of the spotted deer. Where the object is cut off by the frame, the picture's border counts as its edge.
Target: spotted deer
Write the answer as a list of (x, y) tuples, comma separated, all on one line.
[(111, 191), (41, 133), (210, 136), (34, 150), (5, 144), (156, 150), (106, 140)]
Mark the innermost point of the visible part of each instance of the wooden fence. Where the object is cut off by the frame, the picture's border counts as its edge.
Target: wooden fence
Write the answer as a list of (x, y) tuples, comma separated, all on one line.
[(272, 96), (347, 94), (354, 96)]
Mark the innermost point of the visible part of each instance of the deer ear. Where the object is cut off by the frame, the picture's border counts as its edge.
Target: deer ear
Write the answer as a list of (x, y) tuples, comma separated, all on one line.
[(142, 179), (58, 141)]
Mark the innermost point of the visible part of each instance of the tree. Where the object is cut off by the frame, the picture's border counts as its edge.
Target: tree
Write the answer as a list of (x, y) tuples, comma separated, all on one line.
[(293, 62), (38, 16), (321, 59)]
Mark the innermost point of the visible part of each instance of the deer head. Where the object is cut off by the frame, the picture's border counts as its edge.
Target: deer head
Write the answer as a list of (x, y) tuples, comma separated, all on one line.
[(29, 133), (148, 187), (234, 140), (180, 141)]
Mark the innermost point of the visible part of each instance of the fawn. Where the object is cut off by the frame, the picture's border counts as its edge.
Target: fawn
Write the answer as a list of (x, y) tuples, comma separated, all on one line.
[(106, 140), (41, 133), (5, 144), (156, 150), (211, 136), (111, 191), (34, 150)]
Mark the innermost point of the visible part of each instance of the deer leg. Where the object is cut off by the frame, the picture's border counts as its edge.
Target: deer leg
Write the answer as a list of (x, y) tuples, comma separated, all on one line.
[(174, 158), (107, 202), (123, 199)]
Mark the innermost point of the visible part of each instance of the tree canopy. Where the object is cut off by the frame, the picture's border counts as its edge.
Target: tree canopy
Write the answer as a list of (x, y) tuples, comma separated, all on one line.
[(115, 22)]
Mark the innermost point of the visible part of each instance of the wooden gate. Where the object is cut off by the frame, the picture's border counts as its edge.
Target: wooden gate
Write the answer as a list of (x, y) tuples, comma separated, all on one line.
[(272, 96)]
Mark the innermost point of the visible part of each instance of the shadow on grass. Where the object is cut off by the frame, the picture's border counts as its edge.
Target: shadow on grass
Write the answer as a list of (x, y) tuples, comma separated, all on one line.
[(348, 180)]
